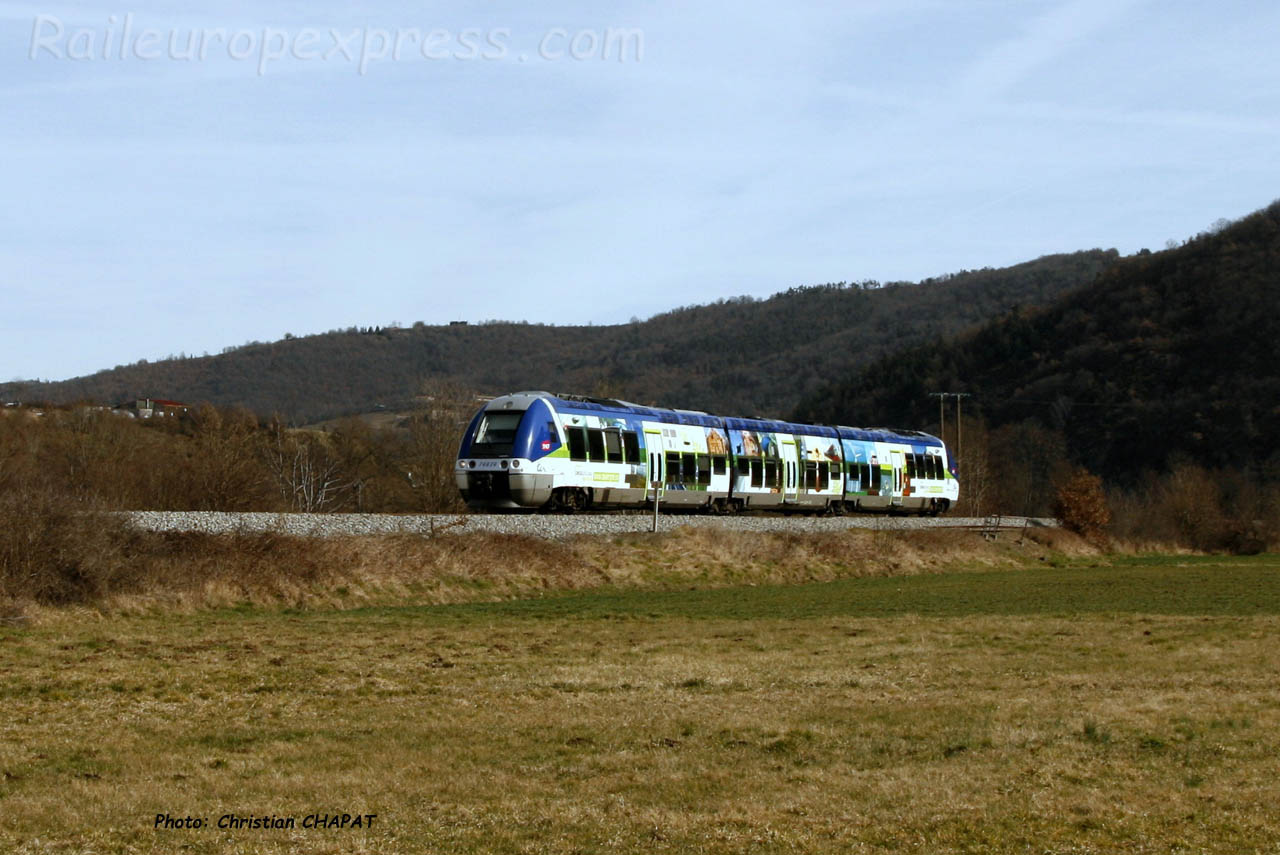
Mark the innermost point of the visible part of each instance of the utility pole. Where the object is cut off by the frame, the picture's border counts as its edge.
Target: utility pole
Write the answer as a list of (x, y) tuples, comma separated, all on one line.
[(942, 416)]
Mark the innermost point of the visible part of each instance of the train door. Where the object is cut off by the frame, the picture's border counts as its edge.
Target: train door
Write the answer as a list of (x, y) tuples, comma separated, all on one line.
[(654, 472), (791, 472), (899, 474)]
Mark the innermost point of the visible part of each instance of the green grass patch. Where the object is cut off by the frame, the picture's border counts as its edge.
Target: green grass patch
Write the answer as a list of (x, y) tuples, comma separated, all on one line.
[(1142, 585)]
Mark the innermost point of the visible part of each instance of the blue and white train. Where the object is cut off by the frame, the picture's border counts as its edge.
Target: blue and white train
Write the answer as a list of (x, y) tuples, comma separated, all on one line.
[(537, 451)]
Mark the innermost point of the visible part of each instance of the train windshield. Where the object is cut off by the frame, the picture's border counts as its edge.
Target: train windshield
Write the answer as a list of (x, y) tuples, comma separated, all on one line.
[(496, 434)]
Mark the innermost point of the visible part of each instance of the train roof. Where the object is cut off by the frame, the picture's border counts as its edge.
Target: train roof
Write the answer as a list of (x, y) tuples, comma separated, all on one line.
[(777, 426), (585, 404), (887, 435)]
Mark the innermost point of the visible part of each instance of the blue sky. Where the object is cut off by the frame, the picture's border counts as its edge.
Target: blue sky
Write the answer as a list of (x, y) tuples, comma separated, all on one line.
[(161, 203)]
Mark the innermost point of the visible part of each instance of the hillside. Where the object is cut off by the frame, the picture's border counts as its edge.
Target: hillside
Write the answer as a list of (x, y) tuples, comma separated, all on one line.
[(1166, 357), (737, 356)]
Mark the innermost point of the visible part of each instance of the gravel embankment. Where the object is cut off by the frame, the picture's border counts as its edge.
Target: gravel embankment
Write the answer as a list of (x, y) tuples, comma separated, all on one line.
[(340, 525)]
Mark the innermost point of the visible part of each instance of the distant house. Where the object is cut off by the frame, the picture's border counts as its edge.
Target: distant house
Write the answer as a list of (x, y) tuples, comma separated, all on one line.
[(145, 408)]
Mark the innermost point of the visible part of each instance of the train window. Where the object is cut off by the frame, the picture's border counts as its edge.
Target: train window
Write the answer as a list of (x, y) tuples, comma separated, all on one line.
[(930, 467), (595, 445), (613, 445), (824, 476), (811, 475), (498, 428), (690, 469), (757, 473), (911, 465), (704, 469), (673, 467), (875, 477), (630, 447), (577, 442), (771, 473), (744, 466), (717, 464)]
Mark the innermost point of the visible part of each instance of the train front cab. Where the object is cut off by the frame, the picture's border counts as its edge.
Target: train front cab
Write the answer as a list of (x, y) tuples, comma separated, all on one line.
[(498, 464), (606, 454)]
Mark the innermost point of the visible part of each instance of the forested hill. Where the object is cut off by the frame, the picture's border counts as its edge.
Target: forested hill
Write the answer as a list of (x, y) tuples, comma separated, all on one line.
[(737, 356), (1166, 356)]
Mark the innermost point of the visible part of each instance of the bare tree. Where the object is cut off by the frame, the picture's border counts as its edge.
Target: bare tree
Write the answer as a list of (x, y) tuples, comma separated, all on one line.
[(435, 432), (223, 470), (975, 469), (309, 475)]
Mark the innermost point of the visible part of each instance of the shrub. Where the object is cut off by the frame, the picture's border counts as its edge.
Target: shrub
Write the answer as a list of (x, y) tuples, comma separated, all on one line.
[(56, 550), (1082, 506)]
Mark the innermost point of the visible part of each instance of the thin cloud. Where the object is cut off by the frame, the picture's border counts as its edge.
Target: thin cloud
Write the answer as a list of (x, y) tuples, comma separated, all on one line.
[(1043, 40)]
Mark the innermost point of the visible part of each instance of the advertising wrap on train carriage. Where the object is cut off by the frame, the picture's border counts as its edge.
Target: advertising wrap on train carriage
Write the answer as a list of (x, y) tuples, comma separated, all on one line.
[(864, 454), (751, 443), (818, 448), (634, 476), (717, 444)]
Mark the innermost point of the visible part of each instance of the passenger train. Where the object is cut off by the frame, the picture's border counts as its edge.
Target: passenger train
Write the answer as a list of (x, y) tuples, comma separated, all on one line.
[(537, 451)]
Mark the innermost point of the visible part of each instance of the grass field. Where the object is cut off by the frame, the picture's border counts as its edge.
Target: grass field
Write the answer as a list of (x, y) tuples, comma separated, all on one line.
[(1132, 707)]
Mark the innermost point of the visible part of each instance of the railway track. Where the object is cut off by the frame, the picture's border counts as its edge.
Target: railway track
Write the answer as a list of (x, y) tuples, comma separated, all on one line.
[(537, 525)]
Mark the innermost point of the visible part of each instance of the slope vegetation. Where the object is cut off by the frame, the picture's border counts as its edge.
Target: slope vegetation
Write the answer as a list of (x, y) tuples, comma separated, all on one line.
[(1166, 357), (737, 356)]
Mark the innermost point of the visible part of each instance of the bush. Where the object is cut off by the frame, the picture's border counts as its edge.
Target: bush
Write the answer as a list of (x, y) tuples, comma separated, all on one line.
[(56, 550), (1201, 509), (1082, 506)]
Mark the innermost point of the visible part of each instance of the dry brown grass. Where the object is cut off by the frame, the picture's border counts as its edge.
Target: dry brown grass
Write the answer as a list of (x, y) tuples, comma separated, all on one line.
[(470, 733), (141, 572)]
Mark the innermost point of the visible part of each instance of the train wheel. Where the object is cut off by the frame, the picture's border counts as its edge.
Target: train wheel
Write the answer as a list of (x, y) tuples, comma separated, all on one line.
[(569, 499)]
